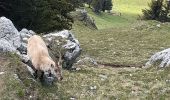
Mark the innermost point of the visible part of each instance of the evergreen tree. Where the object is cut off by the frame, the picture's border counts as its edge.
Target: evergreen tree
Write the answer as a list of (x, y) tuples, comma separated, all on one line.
[(89, 2), (158, 10), (76, 3), (39, 15), (102, 5), (154, 10), (97, 5), (164, 12), (107, 5)]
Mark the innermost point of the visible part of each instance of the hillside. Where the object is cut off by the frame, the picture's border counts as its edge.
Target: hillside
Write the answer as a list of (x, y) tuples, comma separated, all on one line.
[(121, 40), (125, 13)]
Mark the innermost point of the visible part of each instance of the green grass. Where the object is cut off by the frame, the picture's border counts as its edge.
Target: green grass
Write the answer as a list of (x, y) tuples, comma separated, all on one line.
[(129, 9), (130, 45), (117, 83), (104, 20), (129, 42)]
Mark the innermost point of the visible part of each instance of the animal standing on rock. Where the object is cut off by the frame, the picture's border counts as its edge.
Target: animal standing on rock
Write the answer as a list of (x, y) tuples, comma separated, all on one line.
[(42, 62)]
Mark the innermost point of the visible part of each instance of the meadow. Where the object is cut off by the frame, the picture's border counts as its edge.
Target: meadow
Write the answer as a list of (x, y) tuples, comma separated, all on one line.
[(130, 10), (121, 40)]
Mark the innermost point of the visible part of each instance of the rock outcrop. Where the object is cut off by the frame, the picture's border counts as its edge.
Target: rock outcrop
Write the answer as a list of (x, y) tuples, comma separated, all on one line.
[(64, 44), (82, 15), (25, 35), (61, 43), (162, 58), (10, 38)]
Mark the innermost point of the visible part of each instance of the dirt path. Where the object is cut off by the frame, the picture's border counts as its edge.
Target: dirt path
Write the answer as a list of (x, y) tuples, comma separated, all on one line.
[(120, 65)]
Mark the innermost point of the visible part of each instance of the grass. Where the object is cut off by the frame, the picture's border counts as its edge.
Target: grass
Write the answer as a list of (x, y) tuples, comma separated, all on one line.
[(129, 42), (132, 45), (129, 9), (110, 84)]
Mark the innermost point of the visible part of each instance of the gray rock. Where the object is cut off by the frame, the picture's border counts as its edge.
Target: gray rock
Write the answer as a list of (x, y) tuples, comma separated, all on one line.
[(26, 33), (82, 15), (24, 58), (162, 58), (66, 41), (1, 73), (87, 61), (93, 87), (23, 48), (10, 38), (6, 46)]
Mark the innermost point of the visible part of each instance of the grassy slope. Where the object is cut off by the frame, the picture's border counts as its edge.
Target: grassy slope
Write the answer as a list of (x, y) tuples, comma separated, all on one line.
[(132, 44), (125, 40), (129, 9), (117, 83)]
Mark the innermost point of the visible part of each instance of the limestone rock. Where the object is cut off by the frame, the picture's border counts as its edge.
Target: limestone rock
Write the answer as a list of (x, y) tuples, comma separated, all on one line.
[(82, 15), (66, 44), (10, 38), (162, 58)]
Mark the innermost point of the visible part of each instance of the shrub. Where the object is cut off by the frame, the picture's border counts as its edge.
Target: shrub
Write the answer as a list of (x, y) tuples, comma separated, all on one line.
[(158, 10), (39, 15)]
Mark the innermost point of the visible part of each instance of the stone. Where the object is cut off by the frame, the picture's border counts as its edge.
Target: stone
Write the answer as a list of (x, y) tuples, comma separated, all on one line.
[(1, 73), (82, 15), (158, 25), (63, 43), (162, 58), (10, 38), (87, 61), (93, 87), (5, 46), (25, 35)]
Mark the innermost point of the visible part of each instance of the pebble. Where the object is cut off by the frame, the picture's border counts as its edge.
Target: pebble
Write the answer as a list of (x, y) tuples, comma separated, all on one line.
[(103, 76), (1, 73), (130, 74), (158, 25), (72, 98), (93, 87)]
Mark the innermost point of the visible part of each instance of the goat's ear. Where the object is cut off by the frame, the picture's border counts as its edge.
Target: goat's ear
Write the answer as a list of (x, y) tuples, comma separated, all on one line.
[(52, 66)]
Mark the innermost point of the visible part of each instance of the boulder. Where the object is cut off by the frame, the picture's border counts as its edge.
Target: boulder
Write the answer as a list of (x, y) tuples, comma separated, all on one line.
[(25, 35), (82, 15), (162, 58), (64, 44), (10, 38), (61, 44), (13, 41)]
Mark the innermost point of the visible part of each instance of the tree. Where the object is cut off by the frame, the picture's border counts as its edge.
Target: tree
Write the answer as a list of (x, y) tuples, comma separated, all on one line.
[(158, 10), (39, 15), (97, 5), (76, 3), (164, 12), (107, 5), (102, 5), (154, 10), (89, 2)]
